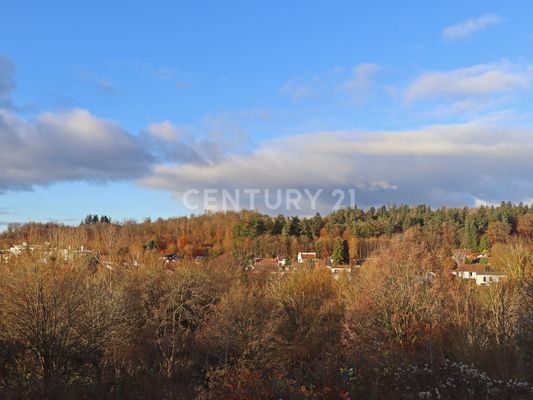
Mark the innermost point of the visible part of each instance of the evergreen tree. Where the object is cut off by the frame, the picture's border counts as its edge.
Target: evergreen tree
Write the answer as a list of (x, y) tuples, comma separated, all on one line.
[(470, 234), (277, 225), (341, 253), (294, 226)]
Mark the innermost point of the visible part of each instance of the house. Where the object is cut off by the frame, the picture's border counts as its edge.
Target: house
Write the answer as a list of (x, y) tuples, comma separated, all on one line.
[(18, 249), (200, 259), (486, 278), (266, 262), (469, 271), (339, 268), (306, 257), (478, 273), (173, 257), (462, 256)]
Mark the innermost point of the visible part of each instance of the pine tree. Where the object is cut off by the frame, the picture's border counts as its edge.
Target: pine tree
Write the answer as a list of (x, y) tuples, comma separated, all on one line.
[(341, 252)]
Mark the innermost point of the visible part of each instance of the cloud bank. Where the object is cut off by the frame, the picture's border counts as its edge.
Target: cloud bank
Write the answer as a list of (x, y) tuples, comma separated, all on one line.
[(455, 164)]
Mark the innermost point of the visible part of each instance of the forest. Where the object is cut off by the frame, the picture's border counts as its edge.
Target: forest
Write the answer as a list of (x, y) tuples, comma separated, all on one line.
[(97, 311)]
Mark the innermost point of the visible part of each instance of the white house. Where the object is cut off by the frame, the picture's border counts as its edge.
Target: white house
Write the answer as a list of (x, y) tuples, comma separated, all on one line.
[(478, 273), (469, 271), (339, 269), (18, 249), (309, 256), (486, 278)]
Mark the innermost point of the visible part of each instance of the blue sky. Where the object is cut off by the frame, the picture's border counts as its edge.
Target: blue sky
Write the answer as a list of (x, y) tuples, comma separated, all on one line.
[(120, 107)]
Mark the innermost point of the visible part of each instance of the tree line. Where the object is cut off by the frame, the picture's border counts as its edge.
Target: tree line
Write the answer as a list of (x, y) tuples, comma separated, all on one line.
[(249, 234)]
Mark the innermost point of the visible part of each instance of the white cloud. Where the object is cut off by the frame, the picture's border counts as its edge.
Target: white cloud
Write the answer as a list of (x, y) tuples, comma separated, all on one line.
[(361, 80), (478, 80), (299, 88), (468, 27), (102, 84), (210, 141), (70, 145), (439, 164), (357, 81), (164, 130), (469, 107), (66, 146), (484, 203)]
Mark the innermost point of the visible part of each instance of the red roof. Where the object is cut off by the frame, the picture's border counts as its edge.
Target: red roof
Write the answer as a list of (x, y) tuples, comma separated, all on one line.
[(472, 268), (308, 256)]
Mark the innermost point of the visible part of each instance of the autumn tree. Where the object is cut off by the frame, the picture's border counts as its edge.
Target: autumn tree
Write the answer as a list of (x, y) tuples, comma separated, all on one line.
[(176, 306), (397, 305), (498, 232), (307, 314), (62, 321), (524, 226)]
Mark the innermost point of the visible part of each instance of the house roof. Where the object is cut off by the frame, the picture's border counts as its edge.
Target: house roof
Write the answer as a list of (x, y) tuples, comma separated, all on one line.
[(491, 274), (308, 256), (472, 268), (339, 266), (266, 261)]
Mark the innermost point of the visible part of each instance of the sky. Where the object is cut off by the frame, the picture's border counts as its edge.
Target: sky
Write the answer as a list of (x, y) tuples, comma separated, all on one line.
[(122, 108)]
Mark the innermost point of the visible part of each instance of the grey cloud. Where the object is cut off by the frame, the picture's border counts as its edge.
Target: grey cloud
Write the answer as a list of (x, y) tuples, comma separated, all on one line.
[(442, 165), (66, 146), (62, 146), (78, 146), (210, 143), (170, 143)]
